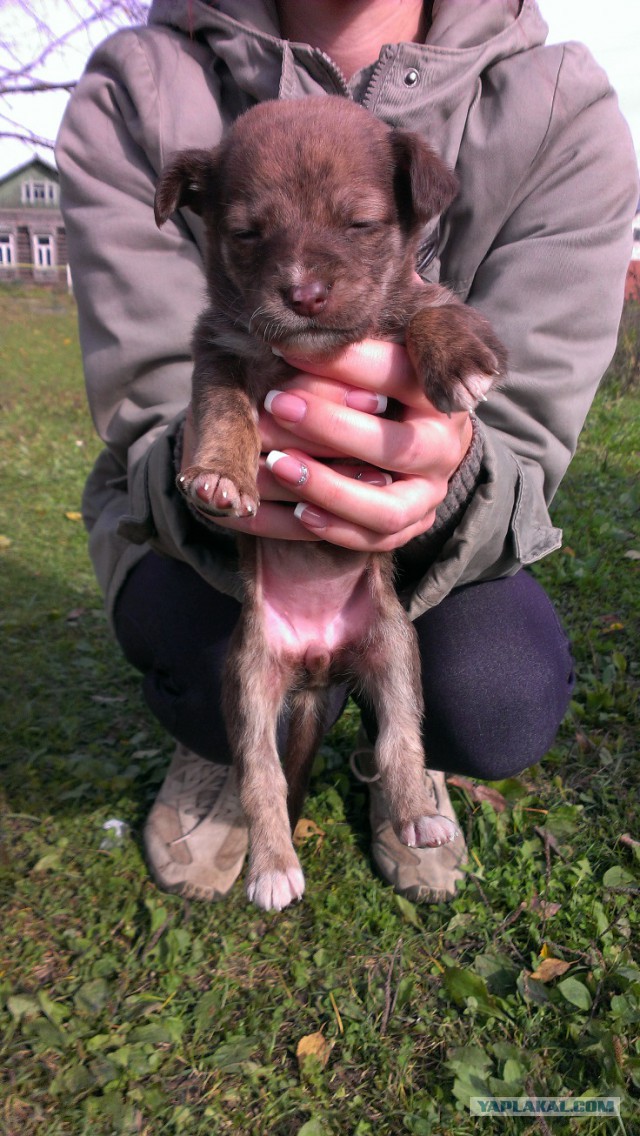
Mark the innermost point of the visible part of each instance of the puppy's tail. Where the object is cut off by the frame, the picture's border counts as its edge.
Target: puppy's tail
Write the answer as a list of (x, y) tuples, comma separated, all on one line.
[(307, 723)]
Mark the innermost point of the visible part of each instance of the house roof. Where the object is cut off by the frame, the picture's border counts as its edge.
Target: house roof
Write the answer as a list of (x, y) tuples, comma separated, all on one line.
[(35, 161)]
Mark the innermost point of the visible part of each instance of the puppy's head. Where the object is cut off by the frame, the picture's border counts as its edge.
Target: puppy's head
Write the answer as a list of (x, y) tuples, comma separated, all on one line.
[(313, 210)]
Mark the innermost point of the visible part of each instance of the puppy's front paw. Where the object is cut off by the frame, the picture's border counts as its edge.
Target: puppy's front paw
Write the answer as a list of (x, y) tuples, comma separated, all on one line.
[(210, 490), (456, 354), (464, 378), (274, 890), (467, 392), (428, 832)]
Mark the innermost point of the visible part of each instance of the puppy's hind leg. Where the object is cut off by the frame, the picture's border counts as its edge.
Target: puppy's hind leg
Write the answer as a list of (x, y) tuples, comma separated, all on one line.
[(255, 687), (306, 729), (389, 672)]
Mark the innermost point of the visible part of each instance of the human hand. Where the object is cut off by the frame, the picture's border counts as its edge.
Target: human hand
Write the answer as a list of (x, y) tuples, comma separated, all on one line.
[(376, 506)]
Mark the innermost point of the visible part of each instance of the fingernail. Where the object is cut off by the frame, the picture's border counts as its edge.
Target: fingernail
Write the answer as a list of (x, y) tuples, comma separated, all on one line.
[(367, 401), (374, 477), (289, 469), (286, 406), (312, 518)]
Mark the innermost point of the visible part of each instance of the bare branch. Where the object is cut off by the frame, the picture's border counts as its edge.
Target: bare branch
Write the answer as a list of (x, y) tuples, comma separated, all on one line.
[(37, 85), (28, 137), (46, 37)]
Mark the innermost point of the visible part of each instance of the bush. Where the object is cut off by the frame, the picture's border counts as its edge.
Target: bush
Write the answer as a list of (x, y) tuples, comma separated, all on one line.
[(625, 367)]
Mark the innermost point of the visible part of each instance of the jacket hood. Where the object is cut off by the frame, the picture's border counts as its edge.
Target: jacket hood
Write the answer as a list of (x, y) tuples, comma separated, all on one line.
[(463, 40)]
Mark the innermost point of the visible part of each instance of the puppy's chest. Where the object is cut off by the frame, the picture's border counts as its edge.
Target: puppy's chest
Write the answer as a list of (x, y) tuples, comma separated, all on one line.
[(314, 603)]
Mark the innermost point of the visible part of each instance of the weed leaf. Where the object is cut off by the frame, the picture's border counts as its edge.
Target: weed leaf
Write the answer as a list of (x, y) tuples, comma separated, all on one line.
[(576, 993)]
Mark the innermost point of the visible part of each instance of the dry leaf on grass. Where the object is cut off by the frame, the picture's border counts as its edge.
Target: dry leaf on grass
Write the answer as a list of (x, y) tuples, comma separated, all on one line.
[(313, 1045), (549, 969), (479, 792), (305, 829), (544, 906)]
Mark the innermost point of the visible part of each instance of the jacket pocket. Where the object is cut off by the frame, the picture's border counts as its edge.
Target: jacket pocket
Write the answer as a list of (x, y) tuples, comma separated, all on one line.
[(534, 536)]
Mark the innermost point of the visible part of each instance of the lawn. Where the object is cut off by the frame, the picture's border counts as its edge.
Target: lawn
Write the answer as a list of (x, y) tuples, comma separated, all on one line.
[(123, 1010)]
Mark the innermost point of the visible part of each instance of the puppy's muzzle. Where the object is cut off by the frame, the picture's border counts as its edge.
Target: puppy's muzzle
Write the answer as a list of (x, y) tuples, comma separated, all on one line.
[(308, 299)]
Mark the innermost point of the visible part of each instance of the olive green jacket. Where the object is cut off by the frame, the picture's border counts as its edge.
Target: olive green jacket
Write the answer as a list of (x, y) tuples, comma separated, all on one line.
[(539, 239)]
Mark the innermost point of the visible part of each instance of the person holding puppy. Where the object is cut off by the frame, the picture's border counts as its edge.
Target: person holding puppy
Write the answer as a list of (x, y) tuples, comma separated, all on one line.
[(538, 240)]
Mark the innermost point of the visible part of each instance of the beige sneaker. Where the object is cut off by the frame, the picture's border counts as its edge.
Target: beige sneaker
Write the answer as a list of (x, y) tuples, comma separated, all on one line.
[(196, 835), (424, 875)]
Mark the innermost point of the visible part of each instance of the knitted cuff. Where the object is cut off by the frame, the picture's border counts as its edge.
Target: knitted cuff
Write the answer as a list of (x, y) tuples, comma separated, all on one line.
[(461, 486), (413, 560)]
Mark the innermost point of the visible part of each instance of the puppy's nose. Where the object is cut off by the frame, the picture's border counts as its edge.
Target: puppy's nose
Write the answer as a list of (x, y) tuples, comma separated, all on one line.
[(308, 299)]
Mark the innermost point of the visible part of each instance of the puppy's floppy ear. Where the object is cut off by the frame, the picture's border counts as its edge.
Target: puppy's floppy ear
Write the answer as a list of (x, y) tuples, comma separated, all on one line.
[(424, 185), (186, 181)]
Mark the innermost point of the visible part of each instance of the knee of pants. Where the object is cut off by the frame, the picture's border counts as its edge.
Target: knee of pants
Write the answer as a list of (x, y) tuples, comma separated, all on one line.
[(492, 734)]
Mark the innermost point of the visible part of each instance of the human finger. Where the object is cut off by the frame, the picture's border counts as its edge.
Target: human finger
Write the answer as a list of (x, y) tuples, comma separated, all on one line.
[(371, 501), (405, 446), (372, 364)]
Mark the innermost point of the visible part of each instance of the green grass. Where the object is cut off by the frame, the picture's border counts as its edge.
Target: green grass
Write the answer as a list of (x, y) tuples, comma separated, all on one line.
[(123, 1010)]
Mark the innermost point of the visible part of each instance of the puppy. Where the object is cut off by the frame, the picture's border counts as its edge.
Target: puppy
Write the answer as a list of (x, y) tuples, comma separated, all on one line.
[(313, 212)]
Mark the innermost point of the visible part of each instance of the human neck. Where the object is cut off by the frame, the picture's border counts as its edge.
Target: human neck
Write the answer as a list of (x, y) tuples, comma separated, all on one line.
[(352, 32)]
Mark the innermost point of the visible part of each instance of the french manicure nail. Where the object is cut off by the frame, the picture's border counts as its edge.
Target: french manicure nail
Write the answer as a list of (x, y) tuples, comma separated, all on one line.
[(289, 469), (287, 406), (374, 477), (367, 401), (312, 518)]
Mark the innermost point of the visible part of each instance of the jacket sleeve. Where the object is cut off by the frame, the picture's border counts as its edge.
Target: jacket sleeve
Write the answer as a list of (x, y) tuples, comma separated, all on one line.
[(552, 285), (138, 293)]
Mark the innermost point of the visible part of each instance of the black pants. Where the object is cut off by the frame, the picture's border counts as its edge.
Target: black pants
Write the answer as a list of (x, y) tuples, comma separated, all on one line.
[(496, 667)]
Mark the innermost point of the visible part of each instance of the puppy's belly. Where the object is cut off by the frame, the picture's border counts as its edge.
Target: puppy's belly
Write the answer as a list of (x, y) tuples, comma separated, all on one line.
[(316, 601)]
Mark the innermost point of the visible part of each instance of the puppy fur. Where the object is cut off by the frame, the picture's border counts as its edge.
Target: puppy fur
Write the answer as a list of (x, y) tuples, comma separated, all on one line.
[(313, 212)]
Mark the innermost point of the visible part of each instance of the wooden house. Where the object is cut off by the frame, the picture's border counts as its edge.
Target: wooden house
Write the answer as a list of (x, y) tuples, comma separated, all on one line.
[(32, 237)]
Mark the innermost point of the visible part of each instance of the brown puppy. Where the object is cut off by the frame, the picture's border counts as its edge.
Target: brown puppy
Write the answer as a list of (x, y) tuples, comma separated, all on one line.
[(314, 211)]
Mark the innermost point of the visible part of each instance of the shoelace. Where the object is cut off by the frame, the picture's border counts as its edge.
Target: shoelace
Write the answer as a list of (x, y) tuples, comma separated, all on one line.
[(431, 787), (206, 780)]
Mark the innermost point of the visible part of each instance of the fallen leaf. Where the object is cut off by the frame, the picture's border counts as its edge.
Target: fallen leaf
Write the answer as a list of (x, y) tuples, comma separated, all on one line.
[(479, 792), (632, 554), (549, 969), (495, 799), (5, 542), (305, 829), (72, 516), (544, 906), (313, 1045), (75, 614), (584, 743)]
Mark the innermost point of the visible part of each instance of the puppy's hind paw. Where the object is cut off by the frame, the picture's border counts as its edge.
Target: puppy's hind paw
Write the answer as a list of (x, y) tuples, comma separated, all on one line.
[(429, 832), (272, 891), (210, 491)]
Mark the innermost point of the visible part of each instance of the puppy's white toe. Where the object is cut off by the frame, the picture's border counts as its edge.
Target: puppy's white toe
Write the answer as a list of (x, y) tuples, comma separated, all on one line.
[(429, 832), (273, 891)]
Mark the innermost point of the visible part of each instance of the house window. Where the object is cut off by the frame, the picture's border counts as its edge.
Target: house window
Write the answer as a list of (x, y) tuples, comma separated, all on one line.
[(43, 252), (6, 250), (42, 192)]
